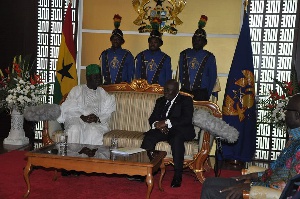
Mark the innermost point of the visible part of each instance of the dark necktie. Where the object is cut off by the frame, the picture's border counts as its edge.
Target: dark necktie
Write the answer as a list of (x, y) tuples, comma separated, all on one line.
[(165, 109)]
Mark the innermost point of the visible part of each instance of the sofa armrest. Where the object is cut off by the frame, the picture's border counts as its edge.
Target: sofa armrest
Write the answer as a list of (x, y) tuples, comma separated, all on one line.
[(45, 134), (253, 169), (254, 191), (259, 192), (50, 127), (54, 126)]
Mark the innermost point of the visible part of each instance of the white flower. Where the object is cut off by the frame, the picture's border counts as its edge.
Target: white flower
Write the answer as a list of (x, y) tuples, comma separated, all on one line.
[(280, 105), (282, 116), (9, 97), (27, 99), (22, 93)]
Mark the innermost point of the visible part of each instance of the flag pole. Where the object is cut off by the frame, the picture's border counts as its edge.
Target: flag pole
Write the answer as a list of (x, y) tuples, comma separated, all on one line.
[(245, 5)]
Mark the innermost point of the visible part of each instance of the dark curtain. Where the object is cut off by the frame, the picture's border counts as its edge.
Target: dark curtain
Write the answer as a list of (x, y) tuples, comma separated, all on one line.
[(18, 36)]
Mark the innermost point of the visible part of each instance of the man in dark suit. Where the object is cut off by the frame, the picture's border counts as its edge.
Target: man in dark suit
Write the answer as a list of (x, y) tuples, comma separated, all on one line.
[(171, 121)]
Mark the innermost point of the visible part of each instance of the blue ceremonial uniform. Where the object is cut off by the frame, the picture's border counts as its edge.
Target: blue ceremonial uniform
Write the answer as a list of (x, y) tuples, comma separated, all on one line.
[(117, 65), (197, 70), (155, 66)]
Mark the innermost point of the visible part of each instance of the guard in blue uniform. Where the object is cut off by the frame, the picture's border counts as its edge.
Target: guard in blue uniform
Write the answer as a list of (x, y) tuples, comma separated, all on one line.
[(153, 64), (117, 64), (197, 67)]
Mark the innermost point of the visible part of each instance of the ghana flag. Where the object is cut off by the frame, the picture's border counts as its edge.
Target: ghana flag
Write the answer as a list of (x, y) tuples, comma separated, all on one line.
[(66, 73)]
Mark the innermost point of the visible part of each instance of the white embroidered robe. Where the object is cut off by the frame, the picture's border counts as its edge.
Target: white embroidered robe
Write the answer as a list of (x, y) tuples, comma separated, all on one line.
[(84, 101)]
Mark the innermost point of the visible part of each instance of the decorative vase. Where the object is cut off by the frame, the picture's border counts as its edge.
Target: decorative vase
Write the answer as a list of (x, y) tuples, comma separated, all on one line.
[(16, 135)]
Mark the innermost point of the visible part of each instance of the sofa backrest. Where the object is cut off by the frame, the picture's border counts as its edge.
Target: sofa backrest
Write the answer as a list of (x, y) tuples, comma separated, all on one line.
[(132, 110), (135, 102)]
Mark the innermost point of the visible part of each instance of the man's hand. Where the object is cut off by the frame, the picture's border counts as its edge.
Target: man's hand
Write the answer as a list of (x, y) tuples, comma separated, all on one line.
[(162, 126), (251, 176), (90, 118), (236, 191)]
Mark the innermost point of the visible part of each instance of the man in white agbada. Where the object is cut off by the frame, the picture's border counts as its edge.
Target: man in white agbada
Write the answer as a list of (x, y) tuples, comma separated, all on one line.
[(87, 110)]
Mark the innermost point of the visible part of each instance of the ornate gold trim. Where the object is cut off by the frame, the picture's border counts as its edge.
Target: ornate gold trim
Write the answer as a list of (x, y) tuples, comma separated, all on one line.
[(138, 85)]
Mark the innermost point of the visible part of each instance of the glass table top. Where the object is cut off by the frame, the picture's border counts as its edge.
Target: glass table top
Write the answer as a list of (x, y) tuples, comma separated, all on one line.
[(95, 151)]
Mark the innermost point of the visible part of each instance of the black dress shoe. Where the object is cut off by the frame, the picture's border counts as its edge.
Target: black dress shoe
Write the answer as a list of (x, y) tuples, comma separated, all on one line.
[(176, 182)]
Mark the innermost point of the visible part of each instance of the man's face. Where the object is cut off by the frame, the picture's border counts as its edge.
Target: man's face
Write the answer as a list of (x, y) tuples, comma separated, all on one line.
[(116, 41), (170, 91), (154, 44), (198, 42), (93, 81)]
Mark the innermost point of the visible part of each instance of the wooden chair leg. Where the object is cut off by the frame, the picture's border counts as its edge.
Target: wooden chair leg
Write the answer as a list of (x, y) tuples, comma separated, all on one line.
[(201, 163), (199, 167), (45, 134), (246, 194), (207, 165)]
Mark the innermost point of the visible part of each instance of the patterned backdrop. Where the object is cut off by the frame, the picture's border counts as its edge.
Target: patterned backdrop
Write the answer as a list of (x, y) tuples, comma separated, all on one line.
[(272, 24)]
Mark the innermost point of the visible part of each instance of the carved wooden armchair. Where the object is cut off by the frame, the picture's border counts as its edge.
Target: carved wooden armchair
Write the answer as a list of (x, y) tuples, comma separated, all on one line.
[(259, 192)]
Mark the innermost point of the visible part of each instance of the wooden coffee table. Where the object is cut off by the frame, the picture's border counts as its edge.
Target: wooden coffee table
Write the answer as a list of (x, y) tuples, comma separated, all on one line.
[(142, 163)]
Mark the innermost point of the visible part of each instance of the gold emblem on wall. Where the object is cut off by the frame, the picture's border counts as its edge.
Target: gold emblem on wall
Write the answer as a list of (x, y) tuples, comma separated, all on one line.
[(158, 14), (243, 98)]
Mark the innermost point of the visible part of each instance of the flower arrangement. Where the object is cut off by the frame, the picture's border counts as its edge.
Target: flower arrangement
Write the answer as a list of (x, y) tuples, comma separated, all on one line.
[(274, 105), (20, 86)]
